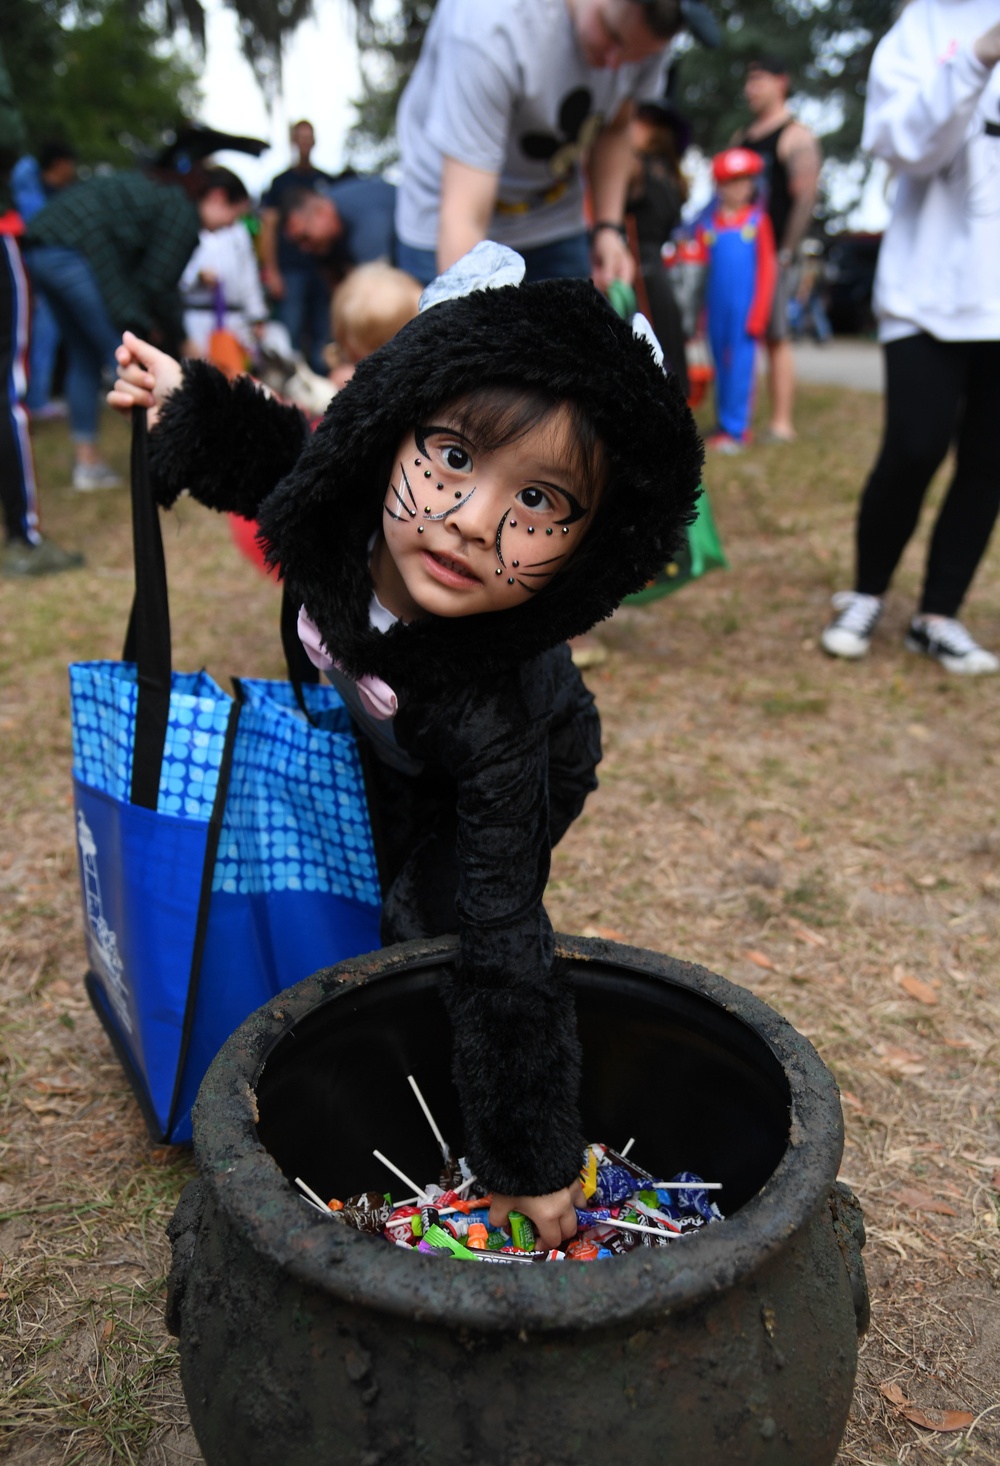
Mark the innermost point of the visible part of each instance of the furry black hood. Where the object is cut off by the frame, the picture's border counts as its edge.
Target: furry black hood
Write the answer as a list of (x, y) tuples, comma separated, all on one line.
[(558, 335)]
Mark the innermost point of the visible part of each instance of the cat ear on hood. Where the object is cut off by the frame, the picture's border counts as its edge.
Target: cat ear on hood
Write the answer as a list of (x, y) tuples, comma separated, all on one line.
[(487, 266), (644, 332)]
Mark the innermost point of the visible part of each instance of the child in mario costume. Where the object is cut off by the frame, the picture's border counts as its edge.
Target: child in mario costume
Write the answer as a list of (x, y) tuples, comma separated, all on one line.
[(736, 235)]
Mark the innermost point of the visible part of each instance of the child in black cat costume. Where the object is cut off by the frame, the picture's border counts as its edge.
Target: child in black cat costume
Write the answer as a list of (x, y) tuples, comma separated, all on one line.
[(491, 483)]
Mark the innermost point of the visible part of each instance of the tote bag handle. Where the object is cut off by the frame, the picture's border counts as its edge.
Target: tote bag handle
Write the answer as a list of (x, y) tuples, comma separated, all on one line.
[(147, 642)]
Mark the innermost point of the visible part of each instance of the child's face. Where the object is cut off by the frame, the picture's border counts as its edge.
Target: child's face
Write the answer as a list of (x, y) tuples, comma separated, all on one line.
[(735, 193), (467, 532)]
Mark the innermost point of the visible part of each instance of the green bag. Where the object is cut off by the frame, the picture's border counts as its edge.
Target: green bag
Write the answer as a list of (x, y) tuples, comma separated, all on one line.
[(703, 550), (622, 297)]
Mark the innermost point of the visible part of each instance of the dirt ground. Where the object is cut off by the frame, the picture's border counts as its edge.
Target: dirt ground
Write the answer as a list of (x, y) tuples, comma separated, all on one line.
[(827, 834)]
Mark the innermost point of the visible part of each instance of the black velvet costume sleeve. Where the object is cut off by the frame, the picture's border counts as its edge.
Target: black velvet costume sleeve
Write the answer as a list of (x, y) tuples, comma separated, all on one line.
[(516, 1055), (228, 443)]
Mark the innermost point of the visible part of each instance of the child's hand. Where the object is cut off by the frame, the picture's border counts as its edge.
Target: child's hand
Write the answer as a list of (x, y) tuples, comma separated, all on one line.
[(146, 377), (553, 1216)]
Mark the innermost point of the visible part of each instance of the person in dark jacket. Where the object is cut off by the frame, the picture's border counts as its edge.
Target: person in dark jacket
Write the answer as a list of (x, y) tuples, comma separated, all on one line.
[(490, 483), (109, 254), (657, 192)]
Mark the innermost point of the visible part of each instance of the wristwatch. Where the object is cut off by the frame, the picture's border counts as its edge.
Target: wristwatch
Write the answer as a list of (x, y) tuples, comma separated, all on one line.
[(618, 229)]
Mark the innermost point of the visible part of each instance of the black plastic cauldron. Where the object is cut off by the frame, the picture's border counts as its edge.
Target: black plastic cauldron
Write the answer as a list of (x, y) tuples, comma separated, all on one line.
[(304, 1342)]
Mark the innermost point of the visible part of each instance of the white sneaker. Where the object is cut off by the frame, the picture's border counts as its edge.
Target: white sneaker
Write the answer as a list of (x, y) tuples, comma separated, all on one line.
[(89, 476), (849, 634), (948, 642)]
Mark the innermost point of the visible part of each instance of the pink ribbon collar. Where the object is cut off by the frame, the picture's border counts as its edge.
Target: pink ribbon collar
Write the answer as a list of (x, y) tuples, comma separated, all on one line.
[(377, 697)]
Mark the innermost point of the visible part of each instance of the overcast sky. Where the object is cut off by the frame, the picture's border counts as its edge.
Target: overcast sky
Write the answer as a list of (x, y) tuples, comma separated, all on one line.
[(320, 80)]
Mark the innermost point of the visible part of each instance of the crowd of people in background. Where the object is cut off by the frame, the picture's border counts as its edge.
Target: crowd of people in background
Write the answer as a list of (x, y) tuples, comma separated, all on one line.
[(554, 134)]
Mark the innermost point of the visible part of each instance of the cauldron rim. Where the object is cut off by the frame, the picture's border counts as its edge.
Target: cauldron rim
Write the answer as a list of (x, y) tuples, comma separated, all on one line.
[(252, 1191)]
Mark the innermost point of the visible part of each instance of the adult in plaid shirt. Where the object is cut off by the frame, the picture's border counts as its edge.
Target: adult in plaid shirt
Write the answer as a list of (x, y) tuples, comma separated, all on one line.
[(109, 253)]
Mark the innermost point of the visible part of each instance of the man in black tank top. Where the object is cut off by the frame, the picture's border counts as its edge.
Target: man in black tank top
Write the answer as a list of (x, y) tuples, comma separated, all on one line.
[(792, 162)]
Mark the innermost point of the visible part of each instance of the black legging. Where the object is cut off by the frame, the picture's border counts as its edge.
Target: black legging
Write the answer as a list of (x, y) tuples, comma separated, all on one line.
[(936, 393)]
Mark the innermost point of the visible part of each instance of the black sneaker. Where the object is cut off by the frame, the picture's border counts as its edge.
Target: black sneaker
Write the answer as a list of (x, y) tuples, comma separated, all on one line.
[(949, 643)]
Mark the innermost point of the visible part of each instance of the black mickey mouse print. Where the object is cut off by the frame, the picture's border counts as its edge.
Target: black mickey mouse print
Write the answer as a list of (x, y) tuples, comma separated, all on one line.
[(506, 89), (578, 127)]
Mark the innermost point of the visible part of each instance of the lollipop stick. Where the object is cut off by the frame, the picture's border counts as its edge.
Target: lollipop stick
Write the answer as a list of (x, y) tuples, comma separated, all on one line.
[(638, 1227), (402, 1176), (684, 1186), (624, 1153), (316, 1200), (446, 1153)]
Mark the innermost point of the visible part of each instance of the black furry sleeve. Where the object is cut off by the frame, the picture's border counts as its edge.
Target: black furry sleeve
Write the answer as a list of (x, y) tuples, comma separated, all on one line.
[(228, 443), (516, 1058)]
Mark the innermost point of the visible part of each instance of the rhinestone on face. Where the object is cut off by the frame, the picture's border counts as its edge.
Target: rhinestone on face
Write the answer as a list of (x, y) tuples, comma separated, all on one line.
[(531, 529), (565, 529), (427, 473), (515, 563), (499, 572), (420, 529), (548, 531), (510, 580), (513, 524), (440, 486), (417, 462)]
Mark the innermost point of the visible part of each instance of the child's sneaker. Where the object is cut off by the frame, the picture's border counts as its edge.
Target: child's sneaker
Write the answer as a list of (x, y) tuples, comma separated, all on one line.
[(723, 443), (849, 634), (949, 643), (89, 476)]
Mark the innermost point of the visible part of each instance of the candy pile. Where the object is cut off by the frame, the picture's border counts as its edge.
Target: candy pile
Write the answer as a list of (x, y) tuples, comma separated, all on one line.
[(627, 1208)]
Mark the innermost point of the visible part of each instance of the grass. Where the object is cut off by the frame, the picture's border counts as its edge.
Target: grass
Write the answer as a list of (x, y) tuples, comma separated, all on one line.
[(824, 833)]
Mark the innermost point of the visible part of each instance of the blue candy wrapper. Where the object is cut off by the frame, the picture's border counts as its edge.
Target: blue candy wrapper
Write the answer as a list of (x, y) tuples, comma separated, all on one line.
[(690, 1202), (614, 1183), (591, 1217)]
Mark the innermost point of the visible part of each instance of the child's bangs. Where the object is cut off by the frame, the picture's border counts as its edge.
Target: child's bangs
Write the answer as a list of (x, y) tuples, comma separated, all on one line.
[(490, 417)]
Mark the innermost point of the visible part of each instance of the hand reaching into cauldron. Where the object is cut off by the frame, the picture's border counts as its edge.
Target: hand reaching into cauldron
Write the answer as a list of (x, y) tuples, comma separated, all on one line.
[(553, 1216)]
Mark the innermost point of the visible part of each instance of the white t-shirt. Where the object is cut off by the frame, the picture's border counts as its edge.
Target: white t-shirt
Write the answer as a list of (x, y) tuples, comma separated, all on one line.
[(228, 253), (503, 87), (933, 113)]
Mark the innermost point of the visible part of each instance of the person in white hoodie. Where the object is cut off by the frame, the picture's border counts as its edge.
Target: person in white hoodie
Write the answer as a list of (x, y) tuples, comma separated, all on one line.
[(933, 113)]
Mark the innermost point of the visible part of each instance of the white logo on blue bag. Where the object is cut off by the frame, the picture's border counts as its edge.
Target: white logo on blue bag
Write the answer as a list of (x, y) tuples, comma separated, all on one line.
[(101, 940)]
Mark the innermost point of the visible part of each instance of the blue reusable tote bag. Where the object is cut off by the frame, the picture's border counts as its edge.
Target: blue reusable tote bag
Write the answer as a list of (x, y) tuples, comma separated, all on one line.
[(224, 843)]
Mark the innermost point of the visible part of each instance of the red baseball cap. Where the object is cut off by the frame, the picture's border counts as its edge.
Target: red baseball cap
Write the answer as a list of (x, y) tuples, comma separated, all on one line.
[(736, 163)]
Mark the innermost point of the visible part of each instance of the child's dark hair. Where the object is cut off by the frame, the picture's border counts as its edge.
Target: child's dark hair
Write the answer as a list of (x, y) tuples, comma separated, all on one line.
[(55, 151), (200, 180), (491, 416)]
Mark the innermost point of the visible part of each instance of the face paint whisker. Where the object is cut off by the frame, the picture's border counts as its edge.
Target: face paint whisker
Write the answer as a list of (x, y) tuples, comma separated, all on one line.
[(402, 501), (412, 495), (454, 508), (503, 520), (531, 589), (403, 504), (550, 561)]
